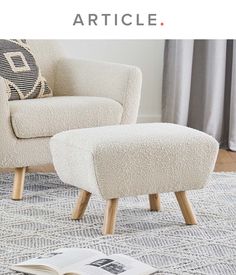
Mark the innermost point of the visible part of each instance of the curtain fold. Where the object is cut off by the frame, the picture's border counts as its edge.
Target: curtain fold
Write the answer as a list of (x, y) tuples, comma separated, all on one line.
[(232, 125), (199, 87)]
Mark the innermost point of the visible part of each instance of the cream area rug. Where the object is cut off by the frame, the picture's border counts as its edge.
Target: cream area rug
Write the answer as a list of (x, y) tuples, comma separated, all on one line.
[(41, 223)]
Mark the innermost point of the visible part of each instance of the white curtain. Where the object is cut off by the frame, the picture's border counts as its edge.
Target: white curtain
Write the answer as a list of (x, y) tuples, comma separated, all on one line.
[(199, 87)]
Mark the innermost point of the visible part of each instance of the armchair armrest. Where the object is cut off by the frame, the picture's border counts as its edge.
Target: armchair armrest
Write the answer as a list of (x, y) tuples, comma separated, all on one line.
[(4, 107), (90, 78), (7, 138)]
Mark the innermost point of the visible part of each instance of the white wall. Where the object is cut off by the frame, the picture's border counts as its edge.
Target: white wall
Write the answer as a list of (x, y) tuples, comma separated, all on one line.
[(146, 54)]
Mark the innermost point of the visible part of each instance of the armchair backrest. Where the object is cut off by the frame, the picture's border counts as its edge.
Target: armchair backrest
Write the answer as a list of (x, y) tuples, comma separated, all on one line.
[(47, 53)]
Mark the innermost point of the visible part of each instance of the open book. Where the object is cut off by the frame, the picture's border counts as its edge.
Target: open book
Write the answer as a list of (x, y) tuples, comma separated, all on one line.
[(69, 261)]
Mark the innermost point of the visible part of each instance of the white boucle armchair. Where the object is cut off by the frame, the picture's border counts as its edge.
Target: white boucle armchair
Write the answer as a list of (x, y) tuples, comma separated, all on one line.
[(86, 94)]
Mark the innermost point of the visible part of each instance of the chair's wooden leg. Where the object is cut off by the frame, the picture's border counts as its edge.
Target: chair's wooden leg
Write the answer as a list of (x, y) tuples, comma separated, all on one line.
[(81, 205), (110, 217), (186, 207), (155, 202), (18, 185)]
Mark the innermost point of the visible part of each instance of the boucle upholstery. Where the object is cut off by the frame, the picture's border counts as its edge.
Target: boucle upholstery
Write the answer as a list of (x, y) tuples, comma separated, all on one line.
[(117, 81), (128, 160), (16, 152), (56, 114)]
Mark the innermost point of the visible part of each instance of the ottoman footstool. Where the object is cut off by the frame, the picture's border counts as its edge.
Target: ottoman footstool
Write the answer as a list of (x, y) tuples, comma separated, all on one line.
[(132, 160)]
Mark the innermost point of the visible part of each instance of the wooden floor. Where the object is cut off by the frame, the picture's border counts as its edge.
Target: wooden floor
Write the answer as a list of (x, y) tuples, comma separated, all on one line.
[(226, 162)]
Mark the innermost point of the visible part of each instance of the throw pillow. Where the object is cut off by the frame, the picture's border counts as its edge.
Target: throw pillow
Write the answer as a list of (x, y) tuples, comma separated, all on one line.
[(20, 71)]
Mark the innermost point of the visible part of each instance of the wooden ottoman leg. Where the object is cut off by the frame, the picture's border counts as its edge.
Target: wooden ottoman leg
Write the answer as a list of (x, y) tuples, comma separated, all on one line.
[(18, 185), (186, 207), (155, 202), (110, 216), (81, 205)]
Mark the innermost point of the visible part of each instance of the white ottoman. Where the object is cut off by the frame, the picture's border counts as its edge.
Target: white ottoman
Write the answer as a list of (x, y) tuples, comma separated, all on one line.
[(131, 160)]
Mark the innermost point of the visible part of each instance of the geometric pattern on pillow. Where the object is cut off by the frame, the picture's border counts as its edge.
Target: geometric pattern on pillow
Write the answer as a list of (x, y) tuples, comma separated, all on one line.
[(20, 71)]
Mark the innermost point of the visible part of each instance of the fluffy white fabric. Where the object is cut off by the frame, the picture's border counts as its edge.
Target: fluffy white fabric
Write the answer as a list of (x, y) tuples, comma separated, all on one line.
[(117, 81), (77, 78), (46, 117), (128, 160)]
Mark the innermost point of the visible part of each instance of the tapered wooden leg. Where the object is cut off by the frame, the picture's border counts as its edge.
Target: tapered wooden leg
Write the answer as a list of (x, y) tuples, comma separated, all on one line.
[(81, 205), (155, 202), (110, 217), (186, 207), (18, 185)]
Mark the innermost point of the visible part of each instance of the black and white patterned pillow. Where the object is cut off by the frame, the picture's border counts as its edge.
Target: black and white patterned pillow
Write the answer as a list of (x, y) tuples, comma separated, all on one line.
[(20, 71)]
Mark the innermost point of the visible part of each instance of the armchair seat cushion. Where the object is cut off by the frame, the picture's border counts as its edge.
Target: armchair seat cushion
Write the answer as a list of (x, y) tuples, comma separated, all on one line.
[(45, 117)]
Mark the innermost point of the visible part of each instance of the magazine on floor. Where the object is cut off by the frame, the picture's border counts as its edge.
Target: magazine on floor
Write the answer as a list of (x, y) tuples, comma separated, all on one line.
[(69, 261)]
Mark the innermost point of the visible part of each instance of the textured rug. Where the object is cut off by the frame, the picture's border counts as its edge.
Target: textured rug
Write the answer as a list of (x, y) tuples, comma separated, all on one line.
[(41, 223)]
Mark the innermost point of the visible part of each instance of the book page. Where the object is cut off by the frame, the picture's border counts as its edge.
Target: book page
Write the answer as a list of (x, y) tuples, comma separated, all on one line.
[(110, 265), (132, 265), (60, 259)]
